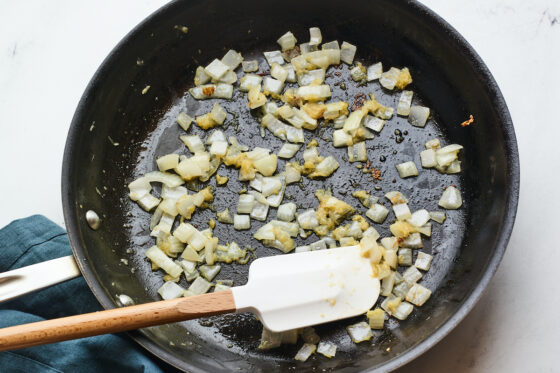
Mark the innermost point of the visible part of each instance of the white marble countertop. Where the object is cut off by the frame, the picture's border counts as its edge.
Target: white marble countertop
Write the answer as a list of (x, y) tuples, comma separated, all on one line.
[(50, 50)]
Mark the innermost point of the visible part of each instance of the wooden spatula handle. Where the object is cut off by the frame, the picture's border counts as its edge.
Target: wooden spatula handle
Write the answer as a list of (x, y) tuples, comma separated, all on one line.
[(116, 320)]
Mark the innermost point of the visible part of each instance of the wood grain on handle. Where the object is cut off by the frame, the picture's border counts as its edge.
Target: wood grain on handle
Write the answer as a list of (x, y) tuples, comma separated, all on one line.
[(116, 320)]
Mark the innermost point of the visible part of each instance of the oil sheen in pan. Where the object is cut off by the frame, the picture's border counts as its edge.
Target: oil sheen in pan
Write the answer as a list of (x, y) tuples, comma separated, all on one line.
[(241, 333)]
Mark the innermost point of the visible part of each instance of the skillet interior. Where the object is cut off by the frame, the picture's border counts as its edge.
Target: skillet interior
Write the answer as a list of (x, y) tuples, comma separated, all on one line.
[(447, 77)]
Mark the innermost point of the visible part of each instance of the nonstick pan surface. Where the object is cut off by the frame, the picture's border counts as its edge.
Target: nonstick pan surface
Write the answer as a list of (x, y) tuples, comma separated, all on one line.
[(448, 77)]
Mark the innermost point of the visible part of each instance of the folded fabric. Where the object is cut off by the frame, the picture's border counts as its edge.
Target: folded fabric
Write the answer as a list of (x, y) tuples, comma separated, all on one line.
[(36, 239)]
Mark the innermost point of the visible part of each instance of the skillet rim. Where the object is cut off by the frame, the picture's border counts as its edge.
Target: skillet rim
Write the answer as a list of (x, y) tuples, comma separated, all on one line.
[(513, 184)]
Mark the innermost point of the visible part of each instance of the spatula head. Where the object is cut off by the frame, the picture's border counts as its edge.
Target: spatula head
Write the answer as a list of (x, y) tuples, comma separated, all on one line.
[(297, 290)]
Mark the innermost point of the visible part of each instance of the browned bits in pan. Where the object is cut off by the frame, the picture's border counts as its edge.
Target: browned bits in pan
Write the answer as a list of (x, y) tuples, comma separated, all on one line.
[(468, 121), (208, 91)]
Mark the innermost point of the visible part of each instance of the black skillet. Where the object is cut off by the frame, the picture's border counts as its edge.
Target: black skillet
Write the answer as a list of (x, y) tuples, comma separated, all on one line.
[(449, 77)]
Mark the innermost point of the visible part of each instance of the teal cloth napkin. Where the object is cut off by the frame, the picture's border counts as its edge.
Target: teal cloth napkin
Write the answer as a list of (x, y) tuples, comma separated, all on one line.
[(36, 239)]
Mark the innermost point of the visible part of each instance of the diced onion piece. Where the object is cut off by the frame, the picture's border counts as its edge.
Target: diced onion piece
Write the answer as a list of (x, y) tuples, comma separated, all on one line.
[(390, 304), (272, 85), (374, 71), (184, 120), (418, 116), (387, 285), (248, 81), (216, 69), (407, 169), (347, 52), (357, 152), (308, 219), (209, 271), (316, 76), (168, 162), (241, 222), (323, 58), (336, 110), (405, 257), (412, 275), (274, 125), (371, 234), (400, 290), (221, 287), (405, 100), (428, 158), (212, 91), (171, 180), (294, 135), (391, 258), (190, 254), (286, 111), (274, 56), (200, 76), (314, 92), (402, 212), (270, 339), (423, 262), (376, 318), (188, 266), (307, 47), (189, 234), (330, 45), (413, 241), (250, 66), (438, 216), (193, 142), (255, 97), (433, 144), (315, 37), (260, 211), (200, 286), (419, 218), (288, 150), (271, 185), (302, 249), (384, 112), (377, 213), (309, 335), (310, 112), (454, 167), (148, 202), (287, 41), (389, 243), (358, 73), (327, 349), (373, 123), (389, 78), (245, 203), (305, 352), (325, 168), (219, 148), (403, 310), (171, 290), (216, 135), (278, 72), (229, 77), (318, 245), (359, 332), (271, 108), (225, 217), (396, 197), (450, 199), (291, 173), (418, 295), (232, 59), (266, 165), (341, 138), (291, 73), (159, 258)]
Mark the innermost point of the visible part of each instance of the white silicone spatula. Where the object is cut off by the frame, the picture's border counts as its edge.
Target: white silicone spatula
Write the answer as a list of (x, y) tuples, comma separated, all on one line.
[(285, 291)]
